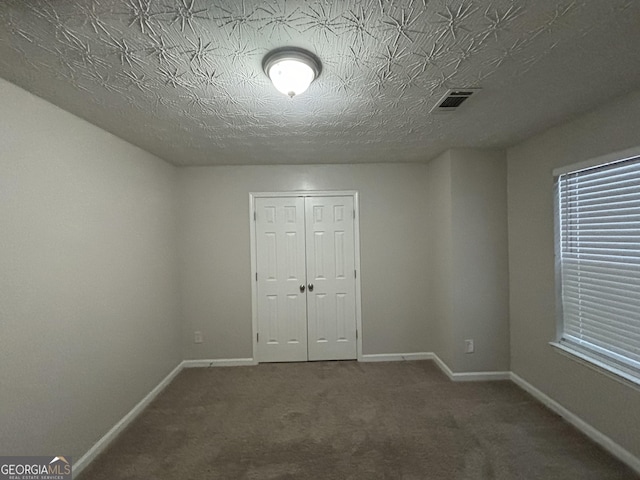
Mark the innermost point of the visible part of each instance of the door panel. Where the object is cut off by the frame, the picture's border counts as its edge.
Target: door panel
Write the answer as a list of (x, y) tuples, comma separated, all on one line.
[(331, 306), (280, 254)]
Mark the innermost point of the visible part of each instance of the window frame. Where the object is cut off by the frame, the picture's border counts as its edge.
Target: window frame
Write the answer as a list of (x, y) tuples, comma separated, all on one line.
[(586, 356)]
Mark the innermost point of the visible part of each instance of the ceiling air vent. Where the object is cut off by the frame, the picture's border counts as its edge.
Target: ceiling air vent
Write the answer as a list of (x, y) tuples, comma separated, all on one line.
[(453, 99)]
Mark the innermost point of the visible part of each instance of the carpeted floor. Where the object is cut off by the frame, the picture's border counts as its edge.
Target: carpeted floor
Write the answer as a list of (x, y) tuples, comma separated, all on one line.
[(348, 420)]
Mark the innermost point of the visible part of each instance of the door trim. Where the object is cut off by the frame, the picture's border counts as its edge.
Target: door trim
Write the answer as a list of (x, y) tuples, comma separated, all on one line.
[(254, 269)]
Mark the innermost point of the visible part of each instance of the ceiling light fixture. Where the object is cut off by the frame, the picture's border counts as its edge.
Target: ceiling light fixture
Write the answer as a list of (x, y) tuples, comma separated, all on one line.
[(291, 69)]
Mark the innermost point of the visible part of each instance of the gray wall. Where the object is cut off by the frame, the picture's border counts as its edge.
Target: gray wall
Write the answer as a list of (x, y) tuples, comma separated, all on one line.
[(433, 253), (88, 277), (440, 255), (468, 258), (215, 261), (610, 406), (480, 260)]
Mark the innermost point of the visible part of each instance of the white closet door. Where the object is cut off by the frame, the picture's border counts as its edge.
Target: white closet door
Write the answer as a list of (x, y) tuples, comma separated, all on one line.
[(280, 253), (331, 306)]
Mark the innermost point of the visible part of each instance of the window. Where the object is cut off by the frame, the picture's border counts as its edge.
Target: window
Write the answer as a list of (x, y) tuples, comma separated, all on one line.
[(598, 263)]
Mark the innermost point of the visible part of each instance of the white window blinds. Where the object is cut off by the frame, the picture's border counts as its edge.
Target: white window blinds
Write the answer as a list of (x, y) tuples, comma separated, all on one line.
[(599, 268)]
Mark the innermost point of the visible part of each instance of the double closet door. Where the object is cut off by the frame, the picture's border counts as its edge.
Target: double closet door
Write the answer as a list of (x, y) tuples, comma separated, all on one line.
[(305, 264)]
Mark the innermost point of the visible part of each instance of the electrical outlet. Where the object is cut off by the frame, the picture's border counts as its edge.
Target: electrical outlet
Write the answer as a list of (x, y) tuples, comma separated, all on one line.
[(197, 337), (468, 346)]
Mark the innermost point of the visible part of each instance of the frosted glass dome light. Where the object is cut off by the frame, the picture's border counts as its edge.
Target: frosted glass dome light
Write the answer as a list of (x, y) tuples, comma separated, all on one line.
[(291, 69)]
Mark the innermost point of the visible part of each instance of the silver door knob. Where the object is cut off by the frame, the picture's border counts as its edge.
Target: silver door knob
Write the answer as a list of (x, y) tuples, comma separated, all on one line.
[(302, 287), (311, 287)]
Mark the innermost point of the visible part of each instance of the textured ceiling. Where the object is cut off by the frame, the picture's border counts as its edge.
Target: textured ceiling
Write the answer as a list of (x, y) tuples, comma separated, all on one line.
[(183, 78)]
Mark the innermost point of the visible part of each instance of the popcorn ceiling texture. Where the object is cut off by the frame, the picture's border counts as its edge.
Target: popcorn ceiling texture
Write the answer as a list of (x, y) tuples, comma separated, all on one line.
[(183, 78)]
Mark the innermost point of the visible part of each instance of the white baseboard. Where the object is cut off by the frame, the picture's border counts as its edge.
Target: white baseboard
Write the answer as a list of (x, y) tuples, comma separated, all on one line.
[(456, 377), (219, 362), (110, 436), (396, 357), (470, 376), (601, 439)]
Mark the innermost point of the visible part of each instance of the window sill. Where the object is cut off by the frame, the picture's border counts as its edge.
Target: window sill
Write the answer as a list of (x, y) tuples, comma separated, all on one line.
[(594, 364)]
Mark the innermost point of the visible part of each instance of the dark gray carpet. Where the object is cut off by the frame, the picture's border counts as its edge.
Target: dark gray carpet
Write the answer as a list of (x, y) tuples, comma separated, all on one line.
[(348, 420)]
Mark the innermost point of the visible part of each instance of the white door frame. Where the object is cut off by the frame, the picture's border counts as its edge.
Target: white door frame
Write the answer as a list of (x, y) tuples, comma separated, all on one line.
[(254, 269)]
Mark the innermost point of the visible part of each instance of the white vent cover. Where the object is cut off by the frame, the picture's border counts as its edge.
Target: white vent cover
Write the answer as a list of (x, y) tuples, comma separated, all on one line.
[(452, 99)]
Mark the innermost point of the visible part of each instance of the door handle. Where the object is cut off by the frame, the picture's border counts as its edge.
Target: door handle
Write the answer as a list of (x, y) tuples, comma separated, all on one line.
[(302, 288), (311, 287)]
